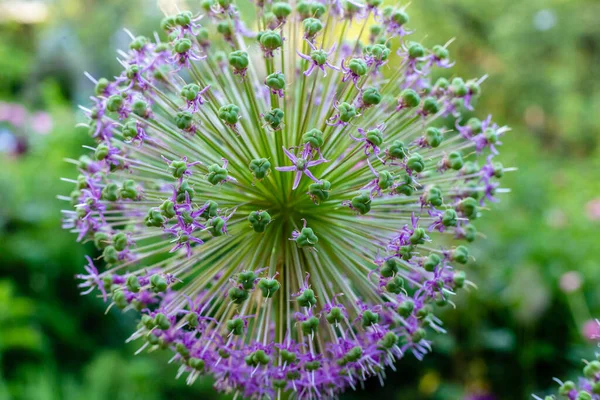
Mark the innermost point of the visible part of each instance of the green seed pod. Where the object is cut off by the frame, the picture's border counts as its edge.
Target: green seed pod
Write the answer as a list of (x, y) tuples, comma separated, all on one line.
[(399, 17), (140, 108), (418, 236), (303, 9), (434, 137), (190, 92), (246, 279), (259, 220), (418, 335), (460, 255), (110, 192), (101, 152), (307, 298), (268, 287), (120, 241), (235, 326), (162, 321), (592, 369), (129, 190), (310, 326), (306, 238), (406, 308), (362, 203), (434, 197), (229, 114), (274, 118), (154, 218), (167, 208), (431, 262), (389, 268), (470, 233), (458, 87), (118, 297), (147, 321), (449, 218), (385, 180), (491, 135), (455, 160), (369, 318), (182, 350), (314, 137), (416, 50), (216, 226), (459, 279), (319, 191), (375, 137), (312, 365), (270, 40), (210, 209), (260, 167), (196, 363), (216, 174), (224, 28), (184, 120), (101, 240), (379, 52), (317, 9), (388, 341), (430, 106), (238, 295), (239, 60), (101, 86), (409, 98), (275, 81), (468, 207), (288, 356), (129, 130), (312, 26), (371, 97), (158, 283), (415, 163), (395, 285), (182, 45), (133, 284), (281, 10), (110, 255), (358, 66), (582, 395), (114, 103), (335, 315), (397, 150), (440, 52), (203, 37)]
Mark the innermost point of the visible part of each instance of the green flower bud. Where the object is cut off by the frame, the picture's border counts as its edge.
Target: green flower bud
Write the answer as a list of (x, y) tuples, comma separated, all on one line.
[(184, 120), (229, 114), (120, 241), (385, 180), (182, 45), (389, 268), (434, 137), (583, 396), (455, 160), (310, 326), (346, 112), (118, 297), (281, 10), (369, 318), (460, 255), (133, 284), (388, 341), (162, 321), (335, 315), (319, 191), (406, 252), (210, 209), (358, 66), (395, 285), (459, 279), (399, 17), (196, 363), (259, 220), (416, 50), (440, 52), (354, 354), (274, 118), (362, 203), (268, 287), (409, 98), (147, 321), (140, 108), (203, 37), (379, 52), (238, 295), (114, 103), (371, 97), (314, 137), (397, 150), (275, 81), (312, 26), (260, 167), (418, 335), (592, 369), (431, 262), (158, 283), (470, 233), (179, 168), (110, 192), (182, 350), (306, 238), (235, 326), (216, 174), (406, 308), (415, 163), (154, 218), (101, 240), (458, 87), (307, 298), (101, 152), (468, 207), (566, 388), (129, 130), (288, 356), (491, 135), (430, 106), (246, 279), (224, 3), (190, 92), (418, 236), (129, 190), (110, 255), (239, 60), (270, 40), (434, 197), (101, 86), (312, 365), (449, 218), (216, 226), (224, 28), (317, 9)]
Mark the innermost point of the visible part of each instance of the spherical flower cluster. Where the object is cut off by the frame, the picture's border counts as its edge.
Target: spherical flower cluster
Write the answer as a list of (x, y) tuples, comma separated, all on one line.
[(280, 204), (587, 386)]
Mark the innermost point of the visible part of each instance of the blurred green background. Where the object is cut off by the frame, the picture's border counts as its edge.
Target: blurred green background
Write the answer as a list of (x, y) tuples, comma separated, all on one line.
[(537, 270)]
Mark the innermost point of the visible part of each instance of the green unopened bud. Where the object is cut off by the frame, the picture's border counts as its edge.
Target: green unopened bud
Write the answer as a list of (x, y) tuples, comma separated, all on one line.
[(469, 207), (434, 197), (409, 98), (430, 106), (190, 92), (312, 365), (129, 190), (307, 298), (182, 45), (133, 284), (566, 388), (405, 308), (592, 369), (281, 10), (395, 285), (371, 96), (101, 240), (459, 279), (224, 28), (114, 103), (158, 283), (388, 341), (270, 40), (418, 335), (210, 209), (110, 255), (162, 321), (184, 18), (434, 137), (460, 255), (101, 86), (385, 180), (288, 356), (216, 174), (416, 50), (154, 218), (275, 81), (375, 137), (118, 297), (129, 130), (229, 114), (259, 220), (110, 192), (312, 26), (358, 66), (184, 120), (239, 60), (431, 262), (167, 208), (268, 287), (335, 315), (274, 118), (418, 236), (369, 318), (101, 152), (455, 160), (216, 226), (449, 218), (235, 326), (196, 363), (306, 238), (319, 191), (389, 268), (317, 9), (397, 150), (310, 326), (362, 203), (440, 52), (246, 279), (120, 241), (415, 163), (238, 295), (458, 87), (314, 137), (182, 350), (582, 395)]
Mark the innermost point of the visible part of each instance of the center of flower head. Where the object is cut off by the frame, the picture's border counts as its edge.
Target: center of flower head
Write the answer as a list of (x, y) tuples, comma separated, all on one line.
[(282, 219)]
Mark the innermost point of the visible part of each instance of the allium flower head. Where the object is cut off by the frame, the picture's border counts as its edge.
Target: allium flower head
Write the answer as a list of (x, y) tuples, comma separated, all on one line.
[(279, 204)]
